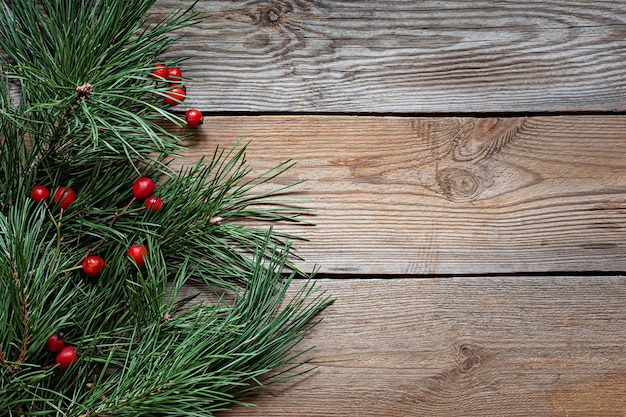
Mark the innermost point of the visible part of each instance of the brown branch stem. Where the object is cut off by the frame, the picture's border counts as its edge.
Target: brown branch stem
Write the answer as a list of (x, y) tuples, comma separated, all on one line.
[(82, 92), (3, 360), (25, 316), (102, 410)]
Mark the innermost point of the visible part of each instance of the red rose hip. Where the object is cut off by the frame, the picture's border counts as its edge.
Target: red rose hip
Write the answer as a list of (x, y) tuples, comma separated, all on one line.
[(138, 254), (160, 72), (154, 203), (93, 266), (55, 343), (174, 96), (194, 118), (174, 74), (66, 357), (143, 188), (39, 193), (64, 197)]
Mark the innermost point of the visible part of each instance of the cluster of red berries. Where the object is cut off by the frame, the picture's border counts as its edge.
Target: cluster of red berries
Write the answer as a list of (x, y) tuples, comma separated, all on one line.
[(143, 189), (66, 355), (64, 196), (176, 93), (94, 265), (173, 76)]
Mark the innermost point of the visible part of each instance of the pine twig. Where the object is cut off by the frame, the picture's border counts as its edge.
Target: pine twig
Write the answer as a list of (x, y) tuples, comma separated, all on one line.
[(25, 316), (24, 306), (3, 360), (100, 411), (82, 92)]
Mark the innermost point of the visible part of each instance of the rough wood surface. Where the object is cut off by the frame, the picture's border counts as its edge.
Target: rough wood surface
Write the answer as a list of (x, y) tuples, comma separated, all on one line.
[(489, 347), (406, 56), (479, 224), (405, 195)]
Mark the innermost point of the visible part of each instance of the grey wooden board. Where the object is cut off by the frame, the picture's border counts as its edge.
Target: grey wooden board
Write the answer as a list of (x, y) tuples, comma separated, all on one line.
[(406, 56)]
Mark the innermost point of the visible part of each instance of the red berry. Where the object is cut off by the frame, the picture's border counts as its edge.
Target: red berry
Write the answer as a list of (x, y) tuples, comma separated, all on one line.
[(93, 266), (55, 343), (66, 357), (174, 96), (174, 74), (64, 197), (194, 118), (39, 192), (137, 253), (160, 72), (154, 203), (143, 188)]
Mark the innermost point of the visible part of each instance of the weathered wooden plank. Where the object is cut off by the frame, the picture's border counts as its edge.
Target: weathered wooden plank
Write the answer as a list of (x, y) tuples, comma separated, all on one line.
[(406, 56), (498, 346), (411, 195)]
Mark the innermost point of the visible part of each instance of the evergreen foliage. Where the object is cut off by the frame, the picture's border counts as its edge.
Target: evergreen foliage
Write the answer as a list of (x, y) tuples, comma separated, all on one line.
[(90, 117)]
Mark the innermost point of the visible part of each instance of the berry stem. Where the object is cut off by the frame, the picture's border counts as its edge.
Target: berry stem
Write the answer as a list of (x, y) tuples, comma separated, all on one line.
[(102, 241), (122, 308), (57, 225), (70, 269)]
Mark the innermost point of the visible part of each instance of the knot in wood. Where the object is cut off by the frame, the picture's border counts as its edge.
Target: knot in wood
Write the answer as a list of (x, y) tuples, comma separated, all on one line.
[(272, 16), (458, 184), (467, 359)]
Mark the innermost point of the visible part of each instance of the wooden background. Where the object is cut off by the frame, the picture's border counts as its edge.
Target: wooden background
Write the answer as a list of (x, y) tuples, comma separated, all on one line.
[(466, 161)]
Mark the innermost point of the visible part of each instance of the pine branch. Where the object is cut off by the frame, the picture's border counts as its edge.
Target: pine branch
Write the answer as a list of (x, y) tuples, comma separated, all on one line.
[(90, 117)]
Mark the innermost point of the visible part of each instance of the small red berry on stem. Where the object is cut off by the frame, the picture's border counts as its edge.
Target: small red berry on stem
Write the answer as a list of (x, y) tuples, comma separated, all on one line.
[(66, 357), (39, 193), (138, 254), (64, 197), (160, 72), (143, 188), (174, 74), (174, 96), (154, 203), (93, 266), (55, 343), (194, 118)]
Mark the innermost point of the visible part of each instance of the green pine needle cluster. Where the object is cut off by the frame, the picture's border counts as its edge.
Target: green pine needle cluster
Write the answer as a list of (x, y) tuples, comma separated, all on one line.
[(79, 108)]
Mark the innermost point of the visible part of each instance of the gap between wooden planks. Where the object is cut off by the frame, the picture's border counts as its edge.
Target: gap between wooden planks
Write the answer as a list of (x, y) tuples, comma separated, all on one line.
[(480, 346), (449, 195)]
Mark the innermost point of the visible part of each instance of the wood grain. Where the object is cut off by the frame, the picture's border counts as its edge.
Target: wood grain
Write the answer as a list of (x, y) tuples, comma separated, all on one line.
[(479, 224), (490, 347), (407, 195), (406, 56)]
